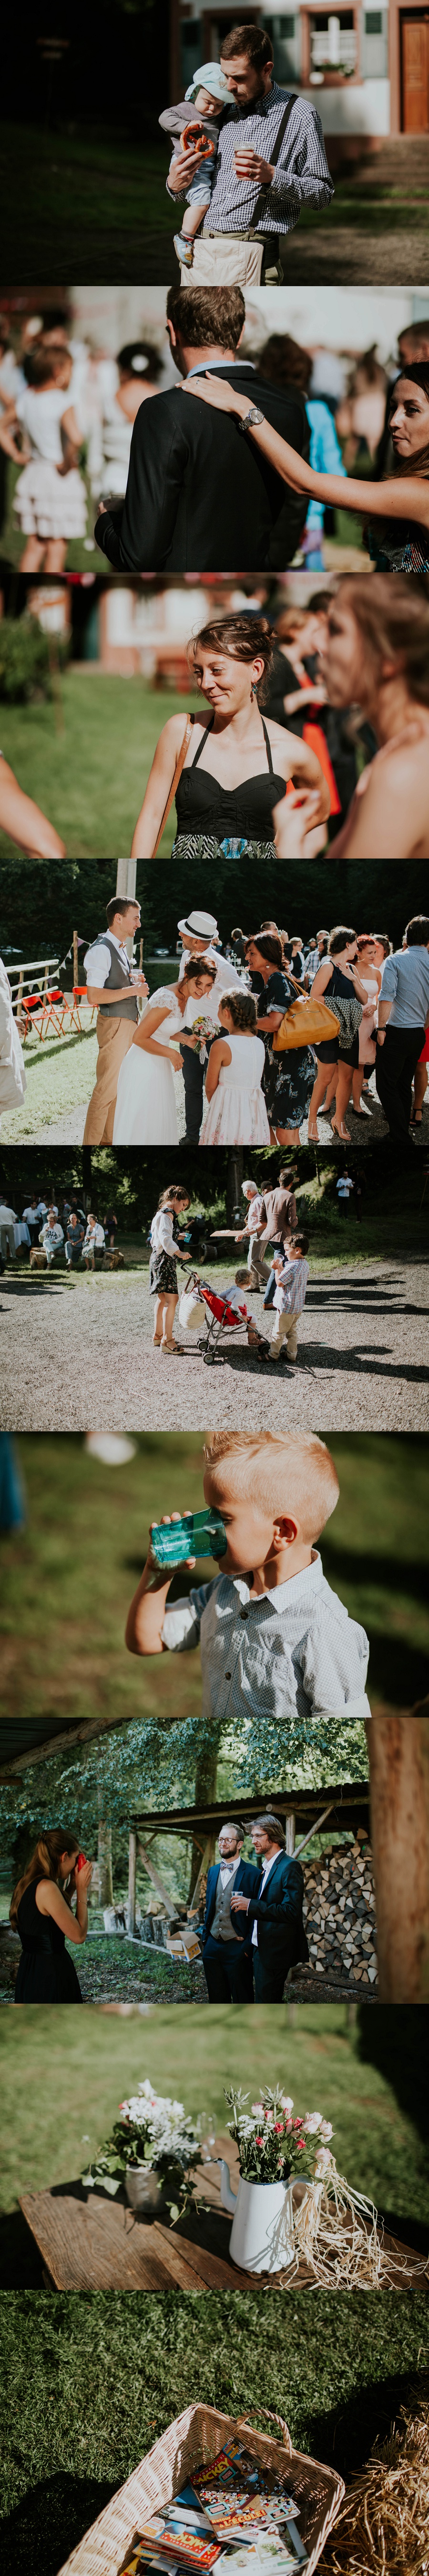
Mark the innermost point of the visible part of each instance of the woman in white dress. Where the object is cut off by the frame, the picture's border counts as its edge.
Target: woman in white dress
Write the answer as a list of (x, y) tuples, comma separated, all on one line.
[(145, 1111), (139, 368), (50, 498), (236, 1112)]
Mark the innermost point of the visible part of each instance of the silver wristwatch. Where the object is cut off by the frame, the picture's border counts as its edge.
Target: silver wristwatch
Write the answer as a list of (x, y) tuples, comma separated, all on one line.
[(252, 419)]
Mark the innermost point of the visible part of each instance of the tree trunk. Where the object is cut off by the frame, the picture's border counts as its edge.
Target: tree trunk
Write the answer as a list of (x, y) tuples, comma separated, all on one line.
[(132, 1855), (234, 1181), (205, 1794), (86, 1175), (398, 1747), (105, 1880)]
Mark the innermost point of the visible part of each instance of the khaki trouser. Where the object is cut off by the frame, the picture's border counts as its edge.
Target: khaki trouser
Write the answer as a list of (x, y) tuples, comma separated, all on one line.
[(114, 1039), (227, 259), (285, 1329)]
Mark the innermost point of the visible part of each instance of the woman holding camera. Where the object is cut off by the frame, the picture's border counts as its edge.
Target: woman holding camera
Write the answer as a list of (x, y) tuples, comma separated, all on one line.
[(41, 1912)]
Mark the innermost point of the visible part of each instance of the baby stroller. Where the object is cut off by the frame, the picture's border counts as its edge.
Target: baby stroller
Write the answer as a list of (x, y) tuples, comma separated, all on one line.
[(226, 1314)]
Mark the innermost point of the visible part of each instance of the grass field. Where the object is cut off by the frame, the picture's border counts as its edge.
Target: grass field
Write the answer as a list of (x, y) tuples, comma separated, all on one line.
[(89, 772), (87, 200), (69, 1577), (90, 2382), (94, 2060)]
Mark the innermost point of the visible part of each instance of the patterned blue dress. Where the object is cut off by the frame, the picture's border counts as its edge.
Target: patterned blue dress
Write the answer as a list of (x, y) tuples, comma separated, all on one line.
[(288, 1079)]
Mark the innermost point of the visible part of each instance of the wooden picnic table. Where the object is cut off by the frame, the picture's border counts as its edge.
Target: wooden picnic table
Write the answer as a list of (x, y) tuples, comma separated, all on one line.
[(88, 2241)]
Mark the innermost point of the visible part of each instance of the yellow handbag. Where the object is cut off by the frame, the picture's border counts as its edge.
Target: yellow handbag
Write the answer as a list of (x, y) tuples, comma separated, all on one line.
[(306, 1023)]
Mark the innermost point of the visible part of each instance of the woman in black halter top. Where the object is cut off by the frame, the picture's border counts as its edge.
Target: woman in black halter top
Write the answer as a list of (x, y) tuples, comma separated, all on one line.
[(41, 1913), (225, 803)]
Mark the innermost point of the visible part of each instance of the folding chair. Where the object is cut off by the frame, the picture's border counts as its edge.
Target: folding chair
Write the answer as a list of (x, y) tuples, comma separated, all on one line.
[(80, 995)]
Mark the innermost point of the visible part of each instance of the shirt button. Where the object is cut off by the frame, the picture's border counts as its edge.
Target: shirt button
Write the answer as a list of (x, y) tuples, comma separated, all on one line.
[(227, 1677)]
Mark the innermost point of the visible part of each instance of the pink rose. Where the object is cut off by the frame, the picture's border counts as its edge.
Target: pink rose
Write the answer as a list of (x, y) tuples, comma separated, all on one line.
[(300, 2146)]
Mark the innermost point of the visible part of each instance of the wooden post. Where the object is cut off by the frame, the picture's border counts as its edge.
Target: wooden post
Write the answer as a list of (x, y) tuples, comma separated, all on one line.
[(132, 1857), (208, 1855), (290, 1831), (75, 959), (398, 1747), (174, 50)]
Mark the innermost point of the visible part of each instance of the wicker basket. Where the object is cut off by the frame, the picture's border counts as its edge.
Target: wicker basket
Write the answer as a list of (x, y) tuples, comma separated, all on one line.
[(187, 2445)]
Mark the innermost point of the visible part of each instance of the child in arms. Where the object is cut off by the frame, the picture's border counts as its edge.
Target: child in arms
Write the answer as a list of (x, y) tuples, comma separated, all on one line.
[(273, 1635), (208, 95)]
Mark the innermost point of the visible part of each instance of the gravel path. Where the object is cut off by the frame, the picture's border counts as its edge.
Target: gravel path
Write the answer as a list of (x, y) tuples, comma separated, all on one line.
[(362, 1360), (364, 1129)]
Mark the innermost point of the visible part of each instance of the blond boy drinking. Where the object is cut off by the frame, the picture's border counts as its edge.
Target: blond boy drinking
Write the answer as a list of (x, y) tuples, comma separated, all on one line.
[(273, 1634)]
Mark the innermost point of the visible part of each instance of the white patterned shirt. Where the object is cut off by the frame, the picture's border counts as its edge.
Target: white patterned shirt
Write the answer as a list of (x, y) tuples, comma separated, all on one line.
[(293, 1651), (301, 177)]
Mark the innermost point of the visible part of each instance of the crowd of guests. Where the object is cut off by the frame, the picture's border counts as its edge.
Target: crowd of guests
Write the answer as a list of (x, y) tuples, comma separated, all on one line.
[(56, 1225), (67, 413), (247, 1082)]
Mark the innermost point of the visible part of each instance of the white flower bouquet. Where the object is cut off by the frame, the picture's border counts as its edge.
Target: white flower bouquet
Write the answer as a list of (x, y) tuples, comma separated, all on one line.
[(156, 2132)]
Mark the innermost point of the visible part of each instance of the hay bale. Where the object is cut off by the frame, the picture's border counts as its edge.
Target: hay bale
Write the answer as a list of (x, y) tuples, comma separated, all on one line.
[(384, 2521)]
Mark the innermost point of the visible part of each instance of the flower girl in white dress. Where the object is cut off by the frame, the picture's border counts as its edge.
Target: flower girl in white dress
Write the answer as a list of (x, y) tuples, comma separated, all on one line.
[(236, 1112), (145, 1111)]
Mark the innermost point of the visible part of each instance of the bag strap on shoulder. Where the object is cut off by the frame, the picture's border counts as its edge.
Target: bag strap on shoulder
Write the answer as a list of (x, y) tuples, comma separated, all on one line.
[(275, 156), (181, 756)]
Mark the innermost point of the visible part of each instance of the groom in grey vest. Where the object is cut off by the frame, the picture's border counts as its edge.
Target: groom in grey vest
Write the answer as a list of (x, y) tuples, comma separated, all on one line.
[(227, 1948), (109, 974)]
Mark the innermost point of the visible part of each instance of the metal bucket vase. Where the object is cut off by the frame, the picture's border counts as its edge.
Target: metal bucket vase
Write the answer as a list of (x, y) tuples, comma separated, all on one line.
[(262, 2238), (143, 2190)]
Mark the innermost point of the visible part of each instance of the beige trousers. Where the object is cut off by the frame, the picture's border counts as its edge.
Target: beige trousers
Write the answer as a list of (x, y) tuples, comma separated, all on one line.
[(285, 1329), (222, 259), (114, 1038)]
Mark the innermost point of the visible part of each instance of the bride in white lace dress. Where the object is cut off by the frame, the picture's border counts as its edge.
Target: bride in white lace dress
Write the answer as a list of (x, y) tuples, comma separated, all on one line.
[(235, 1112), (145, 1111)]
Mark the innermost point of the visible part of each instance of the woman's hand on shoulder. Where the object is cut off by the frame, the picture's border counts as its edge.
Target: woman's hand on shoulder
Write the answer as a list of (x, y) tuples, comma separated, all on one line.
[(219, 395)]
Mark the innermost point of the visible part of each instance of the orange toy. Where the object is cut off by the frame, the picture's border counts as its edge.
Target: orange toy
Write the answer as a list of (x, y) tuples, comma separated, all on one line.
[(192, 140)]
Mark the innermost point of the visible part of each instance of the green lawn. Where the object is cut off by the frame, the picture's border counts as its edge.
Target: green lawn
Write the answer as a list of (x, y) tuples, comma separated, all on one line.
[(70, 1576), (94, 2060), (91, 2381), (60, 1077), (90, 776)]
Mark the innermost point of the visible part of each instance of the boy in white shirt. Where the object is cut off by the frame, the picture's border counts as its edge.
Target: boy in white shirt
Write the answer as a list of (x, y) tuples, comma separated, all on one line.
[(291, 1272), (274, 1638)]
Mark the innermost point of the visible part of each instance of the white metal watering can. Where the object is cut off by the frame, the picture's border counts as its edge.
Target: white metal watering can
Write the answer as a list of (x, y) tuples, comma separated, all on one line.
[(261, 2237)]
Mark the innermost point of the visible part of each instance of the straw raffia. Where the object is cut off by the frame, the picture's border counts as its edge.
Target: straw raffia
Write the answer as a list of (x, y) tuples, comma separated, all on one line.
[(347, 2257), (384, 2521)]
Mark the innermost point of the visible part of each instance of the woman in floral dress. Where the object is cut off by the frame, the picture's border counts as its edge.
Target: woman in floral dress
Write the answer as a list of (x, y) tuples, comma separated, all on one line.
[(288, 1078)]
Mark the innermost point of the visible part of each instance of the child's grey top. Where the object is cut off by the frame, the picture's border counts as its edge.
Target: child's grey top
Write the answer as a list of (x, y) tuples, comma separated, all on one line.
[(173, 120), (293, 1652)]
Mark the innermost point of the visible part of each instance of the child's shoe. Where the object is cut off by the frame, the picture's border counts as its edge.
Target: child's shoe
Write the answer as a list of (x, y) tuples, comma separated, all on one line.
[(184, 250)]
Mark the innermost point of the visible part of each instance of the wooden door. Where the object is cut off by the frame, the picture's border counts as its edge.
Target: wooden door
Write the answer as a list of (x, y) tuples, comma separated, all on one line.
[(415, 73)]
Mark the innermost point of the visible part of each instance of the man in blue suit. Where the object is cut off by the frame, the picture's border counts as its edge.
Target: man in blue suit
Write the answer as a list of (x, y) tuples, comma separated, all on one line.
[(272, 1911), (227, 1949)]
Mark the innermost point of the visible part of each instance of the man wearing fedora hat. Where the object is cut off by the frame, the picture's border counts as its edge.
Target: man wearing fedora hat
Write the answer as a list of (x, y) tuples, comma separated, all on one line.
[(200, 936)]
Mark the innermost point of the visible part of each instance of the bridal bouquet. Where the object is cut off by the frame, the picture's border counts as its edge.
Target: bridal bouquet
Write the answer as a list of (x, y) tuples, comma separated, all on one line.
[(201, 1030), (155, 2132), (271, 2144)]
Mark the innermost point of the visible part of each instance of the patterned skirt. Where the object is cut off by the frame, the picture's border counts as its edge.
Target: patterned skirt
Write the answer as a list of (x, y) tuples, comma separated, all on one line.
[(193, 846), (162, 1274)]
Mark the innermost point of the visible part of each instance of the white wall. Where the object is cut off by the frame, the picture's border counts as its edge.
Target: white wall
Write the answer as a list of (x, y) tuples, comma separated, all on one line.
[(361, 108)]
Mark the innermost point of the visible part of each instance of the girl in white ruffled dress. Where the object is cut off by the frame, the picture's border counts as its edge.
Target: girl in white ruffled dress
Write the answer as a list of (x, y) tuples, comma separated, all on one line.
[(236, 1112), (50, 497)]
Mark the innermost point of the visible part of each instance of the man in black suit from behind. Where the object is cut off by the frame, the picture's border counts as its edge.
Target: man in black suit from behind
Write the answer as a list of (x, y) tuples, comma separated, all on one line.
[(227, 1949), (274, 1911), (200, 497)]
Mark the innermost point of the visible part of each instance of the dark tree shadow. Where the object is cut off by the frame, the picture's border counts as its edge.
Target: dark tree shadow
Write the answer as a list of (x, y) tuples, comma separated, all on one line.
[(396, 2040)]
